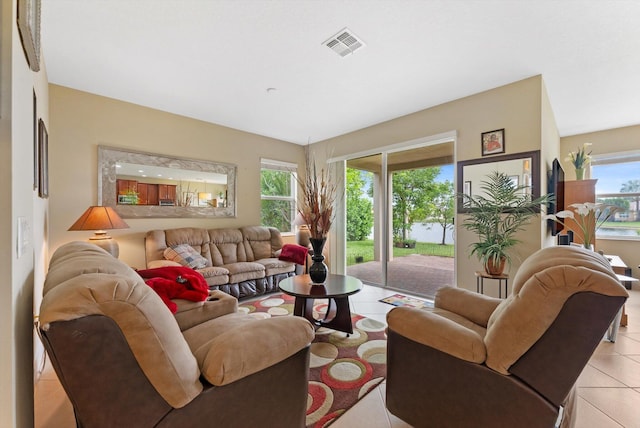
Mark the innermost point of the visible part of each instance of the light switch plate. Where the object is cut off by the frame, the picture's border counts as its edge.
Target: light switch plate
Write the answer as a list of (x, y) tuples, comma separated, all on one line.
[(24, 233)]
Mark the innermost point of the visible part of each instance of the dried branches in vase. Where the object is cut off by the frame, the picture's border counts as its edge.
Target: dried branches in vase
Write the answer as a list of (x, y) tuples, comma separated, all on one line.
[(318, 196), (316, 209)]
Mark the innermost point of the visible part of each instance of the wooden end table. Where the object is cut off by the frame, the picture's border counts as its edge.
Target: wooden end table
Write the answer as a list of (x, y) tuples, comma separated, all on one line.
[(337, 288)]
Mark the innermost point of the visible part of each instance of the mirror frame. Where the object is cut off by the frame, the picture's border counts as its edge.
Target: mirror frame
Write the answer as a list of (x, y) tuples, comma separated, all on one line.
[(109, 156), (535, 173)]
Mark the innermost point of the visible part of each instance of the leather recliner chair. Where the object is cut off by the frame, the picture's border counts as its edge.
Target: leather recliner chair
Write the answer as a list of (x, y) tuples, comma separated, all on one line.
[(484, 362), (125, 360)]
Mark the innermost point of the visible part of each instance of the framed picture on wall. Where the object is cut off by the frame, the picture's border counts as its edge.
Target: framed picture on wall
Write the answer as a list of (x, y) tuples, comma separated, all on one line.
[(29, 30), (43, 160), (493, 142)]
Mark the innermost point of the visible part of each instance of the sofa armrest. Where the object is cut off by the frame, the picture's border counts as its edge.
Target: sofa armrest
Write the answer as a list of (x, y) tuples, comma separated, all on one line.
[(161, 263), (473, 306), (190, 313), (437, 332), (232, 355)]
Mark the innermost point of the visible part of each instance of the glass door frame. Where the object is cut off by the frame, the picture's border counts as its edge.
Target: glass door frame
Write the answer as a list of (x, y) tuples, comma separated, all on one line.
[(337, 242)]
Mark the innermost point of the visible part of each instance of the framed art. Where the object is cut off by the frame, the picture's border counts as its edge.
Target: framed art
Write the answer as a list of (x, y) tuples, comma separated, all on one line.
[(29, 29), (493, 142), (43, 160)]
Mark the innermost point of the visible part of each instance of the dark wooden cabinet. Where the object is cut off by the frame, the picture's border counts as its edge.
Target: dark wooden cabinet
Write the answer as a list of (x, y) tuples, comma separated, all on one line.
[(126, 186), (132, 192), (167, 193), (152, 194), (142, 193), (577, 192)]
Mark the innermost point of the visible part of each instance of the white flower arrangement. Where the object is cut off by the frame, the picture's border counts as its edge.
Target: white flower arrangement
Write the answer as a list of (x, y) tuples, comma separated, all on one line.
[(589, 216), (580, 159)]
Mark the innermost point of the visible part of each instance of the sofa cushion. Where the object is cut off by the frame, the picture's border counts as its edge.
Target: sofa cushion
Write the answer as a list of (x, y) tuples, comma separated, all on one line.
[(234, 346), (275, 266), (148, 326), (226, 246), (215, 275), (186, 255), (258, 240), (244, 271)]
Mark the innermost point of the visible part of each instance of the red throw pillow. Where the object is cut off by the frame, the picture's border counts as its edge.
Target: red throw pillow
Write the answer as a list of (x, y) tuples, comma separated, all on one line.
[(293, 253)]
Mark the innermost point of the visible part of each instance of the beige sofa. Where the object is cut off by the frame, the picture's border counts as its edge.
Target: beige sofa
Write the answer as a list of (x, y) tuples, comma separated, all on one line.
[(125, 360), (242, 262)]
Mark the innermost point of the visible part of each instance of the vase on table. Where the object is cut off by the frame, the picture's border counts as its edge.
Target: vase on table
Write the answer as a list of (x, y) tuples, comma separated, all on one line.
[(318, 269), (579, 173)]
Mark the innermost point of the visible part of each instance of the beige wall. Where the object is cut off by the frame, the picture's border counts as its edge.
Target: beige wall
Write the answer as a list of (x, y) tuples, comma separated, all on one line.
[(20, 277), (604, 142), (516, 107), (549, 149), (81, 121)]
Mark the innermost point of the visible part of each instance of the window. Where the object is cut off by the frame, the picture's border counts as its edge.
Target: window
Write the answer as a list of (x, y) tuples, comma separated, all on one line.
[(278, 195), (618, 184)]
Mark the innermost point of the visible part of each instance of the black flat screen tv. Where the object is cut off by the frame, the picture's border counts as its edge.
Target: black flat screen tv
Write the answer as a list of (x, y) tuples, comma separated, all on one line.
[(556, 187)]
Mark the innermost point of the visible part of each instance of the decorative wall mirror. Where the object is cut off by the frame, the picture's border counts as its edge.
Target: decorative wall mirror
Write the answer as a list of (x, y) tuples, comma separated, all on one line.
[(523, 168), (146, 185)]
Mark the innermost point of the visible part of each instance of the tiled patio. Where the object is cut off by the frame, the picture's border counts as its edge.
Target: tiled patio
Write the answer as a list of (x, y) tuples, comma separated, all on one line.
[(416, 274)]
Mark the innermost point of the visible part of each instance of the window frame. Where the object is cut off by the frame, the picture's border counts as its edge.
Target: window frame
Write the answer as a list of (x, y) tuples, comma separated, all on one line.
[(292, 169), (612, 159)]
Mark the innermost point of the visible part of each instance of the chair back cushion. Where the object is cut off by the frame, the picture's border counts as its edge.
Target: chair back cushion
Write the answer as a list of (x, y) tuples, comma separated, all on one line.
[(542, 285), (83, 282)]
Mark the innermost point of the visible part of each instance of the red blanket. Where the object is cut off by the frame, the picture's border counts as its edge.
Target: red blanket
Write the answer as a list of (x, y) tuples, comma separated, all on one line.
[(176, 282), (293, 253)]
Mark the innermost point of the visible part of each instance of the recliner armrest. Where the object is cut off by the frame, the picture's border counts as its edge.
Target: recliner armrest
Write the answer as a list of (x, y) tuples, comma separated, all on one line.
[(251, 347), (437, 332), (190, 313), (473, 306)]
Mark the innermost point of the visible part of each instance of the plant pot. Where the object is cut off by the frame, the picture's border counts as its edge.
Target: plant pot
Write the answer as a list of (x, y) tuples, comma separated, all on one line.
[(495, 269)]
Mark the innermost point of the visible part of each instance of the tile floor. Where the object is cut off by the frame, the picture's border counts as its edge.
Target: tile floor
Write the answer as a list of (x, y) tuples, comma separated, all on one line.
[(608, 389)]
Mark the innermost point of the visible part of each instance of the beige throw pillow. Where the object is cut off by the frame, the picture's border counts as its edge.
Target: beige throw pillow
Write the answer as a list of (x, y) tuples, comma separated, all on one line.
[(186, 255)]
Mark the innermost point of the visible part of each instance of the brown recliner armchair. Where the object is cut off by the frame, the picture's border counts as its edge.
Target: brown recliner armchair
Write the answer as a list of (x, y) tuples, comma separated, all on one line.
[(125, 360), (476, 361)]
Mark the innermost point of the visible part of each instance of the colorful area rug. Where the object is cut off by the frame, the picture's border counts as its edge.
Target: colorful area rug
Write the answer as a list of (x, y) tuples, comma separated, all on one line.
[(402, 300), (342, 369)]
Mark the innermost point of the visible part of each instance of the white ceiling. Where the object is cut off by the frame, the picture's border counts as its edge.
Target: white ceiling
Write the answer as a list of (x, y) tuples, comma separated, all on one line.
[(214, 60)]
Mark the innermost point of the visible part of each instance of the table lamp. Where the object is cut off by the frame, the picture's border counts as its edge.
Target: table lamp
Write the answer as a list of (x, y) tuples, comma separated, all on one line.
[(302, 233), (99, 219)]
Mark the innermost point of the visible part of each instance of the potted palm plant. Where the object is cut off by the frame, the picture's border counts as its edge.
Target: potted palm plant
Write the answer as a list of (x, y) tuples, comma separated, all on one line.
[(495, 215)]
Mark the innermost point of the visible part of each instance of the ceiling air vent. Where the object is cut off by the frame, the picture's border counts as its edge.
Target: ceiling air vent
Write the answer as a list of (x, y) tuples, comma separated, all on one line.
[(344, 42)]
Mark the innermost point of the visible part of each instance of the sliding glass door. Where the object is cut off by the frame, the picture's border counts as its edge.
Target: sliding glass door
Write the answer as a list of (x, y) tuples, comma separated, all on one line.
[(399, 214)]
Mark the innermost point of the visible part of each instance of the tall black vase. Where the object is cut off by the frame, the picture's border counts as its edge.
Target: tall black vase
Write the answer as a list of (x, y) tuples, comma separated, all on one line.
[(318, 270)]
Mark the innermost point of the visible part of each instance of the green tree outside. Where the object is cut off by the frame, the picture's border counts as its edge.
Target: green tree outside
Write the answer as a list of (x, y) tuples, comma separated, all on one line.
[(277, 212), (359, 208), (412, 192), (442, 207)]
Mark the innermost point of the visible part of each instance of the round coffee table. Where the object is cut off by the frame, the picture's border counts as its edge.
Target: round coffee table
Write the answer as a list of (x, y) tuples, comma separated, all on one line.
[(337, 288)]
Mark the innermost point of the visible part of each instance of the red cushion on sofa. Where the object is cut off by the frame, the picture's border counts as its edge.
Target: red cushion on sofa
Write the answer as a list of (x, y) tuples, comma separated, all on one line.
[(293, 253)]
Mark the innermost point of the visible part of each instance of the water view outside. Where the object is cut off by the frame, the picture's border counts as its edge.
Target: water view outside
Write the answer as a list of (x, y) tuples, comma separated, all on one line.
[(430, 232), (619, 185)]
